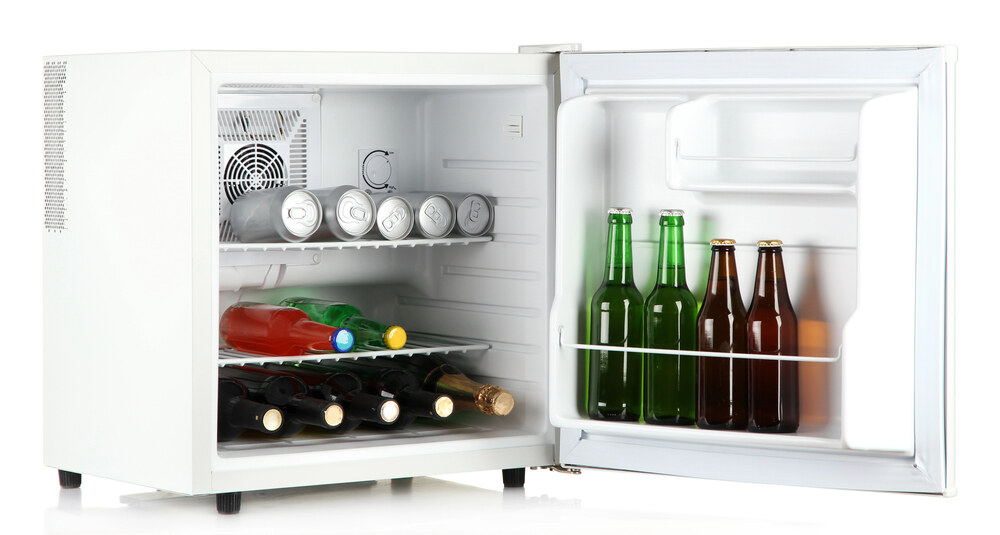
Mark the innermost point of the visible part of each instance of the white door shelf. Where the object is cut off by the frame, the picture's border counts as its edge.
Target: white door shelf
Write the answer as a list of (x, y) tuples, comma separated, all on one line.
[(416, 344)]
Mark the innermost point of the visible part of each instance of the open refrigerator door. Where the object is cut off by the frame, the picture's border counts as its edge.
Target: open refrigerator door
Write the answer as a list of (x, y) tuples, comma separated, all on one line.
[(841, 154)]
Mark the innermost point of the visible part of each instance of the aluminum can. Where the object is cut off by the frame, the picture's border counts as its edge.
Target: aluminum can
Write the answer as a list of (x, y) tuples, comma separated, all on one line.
[(289, 213), (473, 213), (433, 213), (348, 213), (393, 216)]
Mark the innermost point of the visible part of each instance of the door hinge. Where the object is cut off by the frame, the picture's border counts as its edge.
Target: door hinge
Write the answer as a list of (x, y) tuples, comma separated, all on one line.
[(560, 469)]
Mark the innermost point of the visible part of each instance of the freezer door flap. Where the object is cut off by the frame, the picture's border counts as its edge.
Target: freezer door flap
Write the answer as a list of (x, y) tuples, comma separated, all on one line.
[(845, 155)]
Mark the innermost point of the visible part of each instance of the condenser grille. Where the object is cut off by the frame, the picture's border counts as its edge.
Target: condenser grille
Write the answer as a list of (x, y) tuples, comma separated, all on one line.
[(55, 143)]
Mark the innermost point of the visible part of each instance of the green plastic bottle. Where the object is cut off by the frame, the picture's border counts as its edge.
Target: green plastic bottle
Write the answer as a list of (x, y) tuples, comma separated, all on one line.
[(614, 379), (345, 316), (671, 323)]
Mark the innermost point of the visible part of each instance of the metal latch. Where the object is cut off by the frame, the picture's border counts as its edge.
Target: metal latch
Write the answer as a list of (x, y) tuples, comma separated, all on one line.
[(560, 469)]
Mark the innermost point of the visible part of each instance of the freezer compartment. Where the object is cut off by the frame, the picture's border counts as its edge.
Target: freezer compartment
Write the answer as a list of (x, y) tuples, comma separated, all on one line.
[(810, 165)]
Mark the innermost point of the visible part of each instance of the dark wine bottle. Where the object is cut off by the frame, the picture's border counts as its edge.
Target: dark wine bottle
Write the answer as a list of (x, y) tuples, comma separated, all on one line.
[(438, 376), (344, 388), (291, 395), (398, 384), (237, 413)]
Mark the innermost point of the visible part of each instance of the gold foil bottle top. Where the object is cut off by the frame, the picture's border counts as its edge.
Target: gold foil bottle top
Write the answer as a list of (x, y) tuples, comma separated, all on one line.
[(769, 243), (272, 420), (722, 241), (444, 406), (494, 400)]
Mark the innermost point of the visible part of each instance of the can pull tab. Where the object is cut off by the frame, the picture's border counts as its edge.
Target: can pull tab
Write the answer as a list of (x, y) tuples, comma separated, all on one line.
[(474, 209), (296, 212), (351, 209), (436, 216), (394, 217)]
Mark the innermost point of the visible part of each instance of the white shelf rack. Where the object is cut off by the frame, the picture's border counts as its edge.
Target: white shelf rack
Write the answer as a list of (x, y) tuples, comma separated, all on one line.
[(235, 247), (417, 344)]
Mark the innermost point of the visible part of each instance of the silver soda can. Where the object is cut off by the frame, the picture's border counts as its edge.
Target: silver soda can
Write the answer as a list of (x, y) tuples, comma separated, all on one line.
[(473, 213), (348, 213), (433, 214), (393, 216), (289, 213)]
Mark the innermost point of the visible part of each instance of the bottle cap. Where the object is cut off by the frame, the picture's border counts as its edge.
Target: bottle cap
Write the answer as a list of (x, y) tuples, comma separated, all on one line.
[(333, 415), (271, 420), (671, 212), (342, 340), (619, 211), (444, 406), (389, 411), (769, 243), (394, 337), (722, 241)]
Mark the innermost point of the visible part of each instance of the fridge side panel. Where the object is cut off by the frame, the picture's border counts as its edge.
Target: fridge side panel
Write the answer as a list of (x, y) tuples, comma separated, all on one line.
[(117, 271)]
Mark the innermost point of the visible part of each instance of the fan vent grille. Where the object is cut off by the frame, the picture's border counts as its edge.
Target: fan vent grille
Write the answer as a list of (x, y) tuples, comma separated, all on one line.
[(252, 167), (245, 126)]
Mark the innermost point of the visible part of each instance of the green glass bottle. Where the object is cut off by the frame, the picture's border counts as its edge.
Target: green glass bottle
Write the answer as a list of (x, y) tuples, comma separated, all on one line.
[(342, 315), (614, 379), (671, 323)]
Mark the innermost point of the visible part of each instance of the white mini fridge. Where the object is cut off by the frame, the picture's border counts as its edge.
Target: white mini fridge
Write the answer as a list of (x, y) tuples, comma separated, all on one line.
[(844, 154)]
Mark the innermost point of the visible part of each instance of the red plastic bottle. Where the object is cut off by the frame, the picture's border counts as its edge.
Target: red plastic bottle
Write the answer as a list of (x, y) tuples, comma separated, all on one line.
[(276, 330)]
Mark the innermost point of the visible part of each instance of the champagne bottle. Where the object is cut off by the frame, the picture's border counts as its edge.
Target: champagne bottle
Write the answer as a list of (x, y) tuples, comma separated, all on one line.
[(343, 315), (291, 395), (237, 413), (398, 384), (344, 388), (438, 376), (279, 331)]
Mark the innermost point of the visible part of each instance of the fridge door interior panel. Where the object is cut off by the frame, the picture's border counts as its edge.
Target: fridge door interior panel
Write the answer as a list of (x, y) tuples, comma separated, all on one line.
[(843, 155)]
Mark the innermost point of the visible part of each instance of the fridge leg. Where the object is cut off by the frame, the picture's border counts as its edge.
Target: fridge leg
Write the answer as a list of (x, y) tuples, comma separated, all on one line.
[(69, 480), (513, 478), (228, 503)]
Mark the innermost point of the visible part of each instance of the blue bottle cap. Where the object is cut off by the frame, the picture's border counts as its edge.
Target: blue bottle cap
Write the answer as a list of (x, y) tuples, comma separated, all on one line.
[(342, 340)]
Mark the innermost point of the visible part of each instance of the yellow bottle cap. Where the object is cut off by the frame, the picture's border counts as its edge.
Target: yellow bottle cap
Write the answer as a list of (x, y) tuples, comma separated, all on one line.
[(395, 337), (769, 243), (722, 241)]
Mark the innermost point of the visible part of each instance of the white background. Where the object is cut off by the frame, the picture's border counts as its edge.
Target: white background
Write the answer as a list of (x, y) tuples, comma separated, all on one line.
[(597, 501)]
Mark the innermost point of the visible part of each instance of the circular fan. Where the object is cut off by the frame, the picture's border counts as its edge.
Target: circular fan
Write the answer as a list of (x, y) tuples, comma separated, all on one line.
[(253, 167)]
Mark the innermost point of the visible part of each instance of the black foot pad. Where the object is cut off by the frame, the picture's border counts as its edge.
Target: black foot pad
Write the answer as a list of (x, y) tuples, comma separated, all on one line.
[(513, 478), (228, 503), (69, 480)]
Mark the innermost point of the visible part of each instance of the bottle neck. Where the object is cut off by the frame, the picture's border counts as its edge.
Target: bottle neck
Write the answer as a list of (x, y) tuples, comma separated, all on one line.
[(670, 270), (311, 335), (723, 283), (618, 268), (770, 282)]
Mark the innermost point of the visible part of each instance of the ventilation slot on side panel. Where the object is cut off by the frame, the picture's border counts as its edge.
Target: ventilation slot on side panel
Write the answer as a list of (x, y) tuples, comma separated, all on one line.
[(55, 143)]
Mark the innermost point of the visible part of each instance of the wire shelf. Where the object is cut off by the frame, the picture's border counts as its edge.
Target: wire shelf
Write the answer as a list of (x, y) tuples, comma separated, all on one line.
[(416, 344), (234, 247)]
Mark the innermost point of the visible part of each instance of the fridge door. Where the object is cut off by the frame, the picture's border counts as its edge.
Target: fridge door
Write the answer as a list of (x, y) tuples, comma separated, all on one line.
[(843, 154)]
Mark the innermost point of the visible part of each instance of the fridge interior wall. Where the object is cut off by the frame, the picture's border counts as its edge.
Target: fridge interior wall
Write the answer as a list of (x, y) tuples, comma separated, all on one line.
[(444, 139), (811, 166)]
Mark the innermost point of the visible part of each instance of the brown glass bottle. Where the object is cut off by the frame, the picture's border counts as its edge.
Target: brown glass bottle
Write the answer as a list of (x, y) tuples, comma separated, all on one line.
[(772, 329), (722, 328)]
